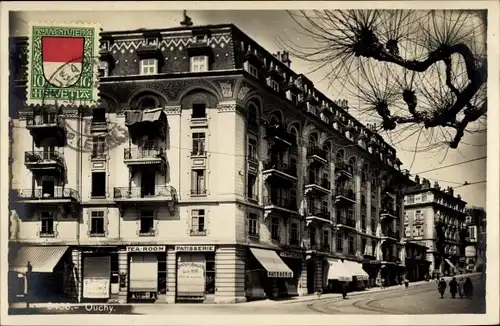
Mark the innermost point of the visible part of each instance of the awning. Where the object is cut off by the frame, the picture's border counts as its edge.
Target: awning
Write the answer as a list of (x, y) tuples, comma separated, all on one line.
[(337, 271), (273, 264), (143, 272), (449, 263), (43, 259), (135, 116), (356, 269)]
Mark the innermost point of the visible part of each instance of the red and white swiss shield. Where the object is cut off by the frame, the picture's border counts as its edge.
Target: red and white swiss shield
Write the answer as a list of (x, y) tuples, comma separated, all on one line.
[(62, 59)]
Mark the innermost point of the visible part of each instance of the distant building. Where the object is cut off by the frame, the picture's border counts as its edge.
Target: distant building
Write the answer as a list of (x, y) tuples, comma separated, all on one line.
[(475, 252), (209, 172), (435, 218), (417, 265)]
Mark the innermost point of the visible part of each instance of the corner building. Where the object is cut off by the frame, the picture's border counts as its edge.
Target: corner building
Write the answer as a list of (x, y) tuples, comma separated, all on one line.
[(208, 172)]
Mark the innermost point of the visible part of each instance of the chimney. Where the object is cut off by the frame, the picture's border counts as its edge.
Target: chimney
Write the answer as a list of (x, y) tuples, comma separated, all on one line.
[(286, 59), (459, 197), (436, 185), (278, 55), (450, 191), (417, 179)]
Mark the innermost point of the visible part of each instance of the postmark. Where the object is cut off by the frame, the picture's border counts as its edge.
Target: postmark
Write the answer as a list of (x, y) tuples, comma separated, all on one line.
[(61, 64)]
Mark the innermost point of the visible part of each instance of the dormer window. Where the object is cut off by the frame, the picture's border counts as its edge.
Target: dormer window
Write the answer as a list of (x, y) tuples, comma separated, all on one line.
[(199, 63), (273, 84), (149, 66), (103, 69), (252, 70), (292, 97)]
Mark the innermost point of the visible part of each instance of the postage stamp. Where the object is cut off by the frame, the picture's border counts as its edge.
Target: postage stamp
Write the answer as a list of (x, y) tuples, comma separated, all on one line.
[(62, 69)]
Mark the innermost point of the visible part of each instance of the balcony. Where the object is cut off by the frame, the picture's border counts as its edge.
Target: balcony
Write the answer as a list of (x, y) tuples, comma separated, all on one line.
[(279, 135), (141, 196), (343, 170), (47, 126), (388, 234), (281, 204), (278, 171), (50, 196), (389, 259), (317, 155), (316, 214), (343, 222), (99, 125), (316, 186), (144, 156), (151, 122), (344, 196), (45, 162), (387, 214)]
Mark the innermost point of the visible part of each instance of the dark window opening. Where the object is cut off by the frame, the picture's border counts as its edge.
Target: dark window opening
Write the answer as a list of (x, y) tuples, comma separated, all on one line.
[(47, 223), (198, 143), (147, 103), (98, 146), (363, 246), (199, 111), (340, 243), (210, 274), (162, 273), (147, 222), (294, 234), (98, 184), (275, 234), (198, 220), (48, 188), (99, 115), (198, 182), (252, 179), (253, 224), (313, 237), (148, 183)]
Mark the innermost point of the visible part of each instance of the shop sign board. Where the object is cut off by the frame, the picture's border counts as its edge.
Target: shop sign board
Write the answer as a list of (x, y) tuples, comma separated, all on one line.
[(96, 288), (195, 248), (146, 249), (191, 278), (280, 274), (291, 254)]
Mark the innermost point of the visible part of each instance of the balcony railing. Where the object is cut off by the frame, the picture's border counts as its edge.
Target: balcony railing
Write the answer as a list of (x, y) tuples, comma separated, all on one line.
[(346, 221), (388, 211), (280, 202), (160, 192), (390, 258), (322, 182), (43, 157), (198, 192), (275, 131), (318, 212), (342, 168), (389, 233), (281, 166), (50, 194), (47, 126), (143, 153), (345, 193), (45, 120), (316, 151)]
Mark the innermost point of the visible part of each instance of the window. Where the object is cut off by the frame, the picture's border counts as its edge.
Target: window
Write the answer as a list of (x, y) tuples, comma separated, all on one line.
[(210, 273), (373, 226), (312, 236), (147, 223), (199, 111), (198, 144), (294, 234), (253, 71), (351, 245), (363, 246), (275, 228), (363, 199), (363, 223), (252, 148), (374, 248), (148, 102), (340, 243), (293, 199), (98, 147), (251, 187), (472, 233), (97, 223), (253, 225), (274, 85), (99, 115), (326, 239), (406, 217), (98, 184), (149, 66), (424, 197), (47, 224), (411, 199), (198, 221), (199, 63), (198, 182)]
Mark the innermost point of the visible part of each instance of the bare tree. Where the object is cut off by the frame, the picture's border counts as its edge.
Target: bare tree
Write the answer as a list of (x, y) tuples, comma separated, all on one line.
[(408, 68)]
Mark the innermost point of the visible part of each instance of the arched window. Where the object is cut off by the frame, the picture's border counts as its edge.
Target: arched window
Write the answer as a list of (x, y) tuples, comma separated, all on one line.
[(313, 141), (275, 118), (339, 157), (364, 174), (252, 115), (293, 131), (148, 102), (352, 164)]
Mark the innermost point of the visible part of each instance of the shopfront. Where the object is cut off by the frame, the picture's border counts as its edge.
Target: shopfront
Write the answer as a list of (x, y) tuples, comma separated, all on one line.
[(337, 274), (195, 273), (268, 273), (294, 260), (146, 272), (359, 276)]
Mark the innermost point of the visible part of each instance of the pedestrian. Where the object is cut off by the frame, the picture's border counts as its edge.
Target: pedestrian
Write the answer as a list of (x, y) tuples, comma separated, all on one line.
[(453, 287), (344, 290), (461, 287), (442, 287), (468, 288)]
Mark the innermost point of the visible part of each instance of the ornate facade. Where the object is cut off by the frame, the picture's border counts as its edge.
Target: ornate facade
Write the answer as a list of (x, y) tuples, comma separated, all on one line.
[(206, 155)]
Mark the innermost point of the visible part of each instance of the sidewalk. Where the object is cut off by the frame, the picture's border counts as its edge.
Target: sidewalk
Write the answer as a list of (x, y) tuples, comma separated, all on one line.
[(313, 297)]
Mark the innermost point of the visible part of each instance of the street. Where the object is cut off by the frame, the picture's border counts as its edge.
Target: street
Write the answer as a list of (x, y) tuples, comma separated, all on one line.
[(422, 298)]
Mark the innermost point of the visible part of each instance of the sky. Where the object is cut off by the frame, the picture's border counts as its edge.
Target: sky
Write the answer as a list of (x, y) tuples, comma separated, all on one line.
[(265, 27)]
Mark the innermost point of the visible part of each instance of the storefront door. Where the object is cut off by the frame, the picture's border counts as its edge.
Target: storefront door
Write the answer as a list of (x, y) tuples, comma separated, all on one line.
[(96, 277), (143, 283), (191, 276)]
